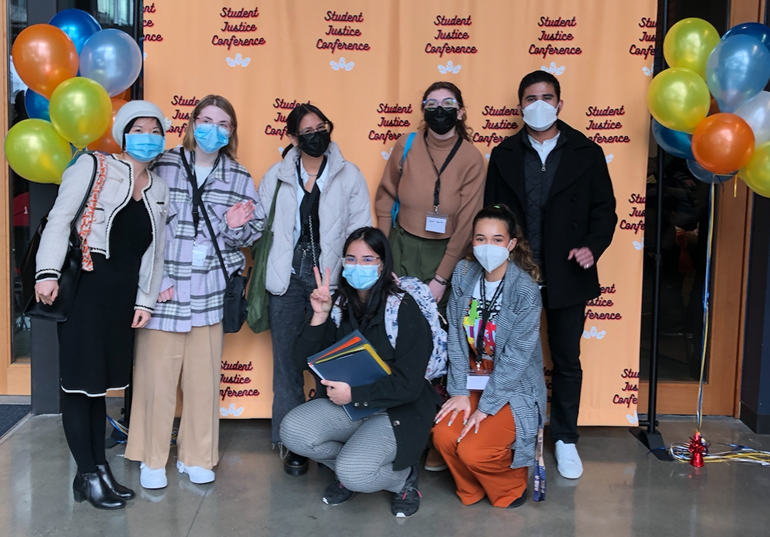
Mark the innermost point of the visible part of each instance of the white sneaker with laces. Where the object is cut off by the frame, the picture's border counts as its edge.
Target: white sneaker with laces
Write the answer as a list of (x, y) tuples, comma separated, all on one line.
[(568, 461), (152, 479), (198, 475)]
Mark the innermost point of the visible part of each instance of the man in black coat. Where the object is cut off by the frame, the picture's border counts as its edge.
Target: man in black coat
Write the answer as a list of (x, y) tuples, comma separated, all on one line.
[(557, 184)]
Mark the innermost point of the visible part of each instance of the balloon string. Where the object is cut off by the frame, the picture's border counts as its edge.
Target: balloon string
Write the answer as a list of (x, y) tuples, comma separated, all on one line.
[(735, 185), (706, 283)]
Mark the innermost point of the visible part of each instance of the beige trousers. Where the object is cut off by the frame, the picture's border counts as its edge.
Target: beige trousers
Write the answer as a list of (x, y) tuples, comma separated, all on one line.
[(161, 357)]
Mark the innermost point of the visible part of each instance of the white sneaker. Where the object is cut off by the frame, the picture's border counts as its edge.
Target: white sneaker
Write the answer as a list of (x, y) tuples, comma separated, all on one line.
[(198, 475), (568, 461), (152, 479)]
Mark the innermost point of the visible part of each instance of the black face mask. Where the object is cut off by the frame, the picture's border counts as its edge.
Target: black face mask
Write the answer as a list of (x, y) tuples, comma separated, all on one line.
[(317, 144), (441, 120)]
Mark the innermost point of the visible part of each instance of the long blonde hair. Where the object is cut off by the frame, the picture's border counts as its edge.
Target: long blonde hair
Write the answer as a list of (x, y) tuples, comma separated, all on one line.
[(522, 254), (231, 149)]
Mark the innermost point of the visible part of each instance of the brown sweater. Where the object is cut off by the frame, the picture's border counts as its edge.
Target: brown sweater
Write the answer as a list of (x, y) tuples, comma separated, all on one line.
[(462, 192)]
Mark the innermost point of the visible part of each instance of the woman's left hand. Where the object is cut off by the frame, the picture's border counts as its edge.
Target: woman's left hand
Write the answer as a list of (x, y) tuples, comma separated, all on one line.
[(437, 290), (338, 392), (141, 318), (473, 423), (239, 214)]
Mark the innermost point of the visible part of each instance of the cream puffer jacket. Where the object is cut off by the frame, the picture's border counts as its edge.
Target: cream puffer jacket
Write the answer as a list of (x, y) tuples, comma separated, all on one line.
[(344, 206), (117, 191)]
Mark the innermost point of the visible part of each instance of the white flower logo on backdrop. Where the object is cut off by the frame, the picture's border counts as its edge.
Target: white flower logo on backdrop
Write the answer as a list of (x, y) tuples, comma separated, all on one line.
[(639, 245), (166, 123), (231, 411), (342, 65), (487, 156), (449, 68), (239, 60), (386, 154), (594, 333), (609, 158), (633, 419), (553, 69), (647, 71), (280, 150)]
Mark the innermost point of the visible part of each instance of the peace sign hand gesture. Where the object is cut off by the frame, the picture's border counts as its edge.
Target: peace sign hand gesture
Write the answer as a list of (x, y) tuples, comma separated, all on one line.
[(321, 298)]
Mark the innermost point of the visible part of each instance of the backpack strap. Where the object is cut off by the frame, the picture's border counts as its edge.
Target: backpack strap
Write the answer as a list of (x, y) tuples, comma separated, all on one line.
[(396, 202)]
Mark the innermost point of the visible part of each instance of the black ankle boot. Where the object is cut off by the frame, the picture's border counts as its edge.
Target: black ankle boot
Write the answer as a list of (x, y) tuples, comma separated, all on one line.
[(294, 464), (91, 487), (119, 490)]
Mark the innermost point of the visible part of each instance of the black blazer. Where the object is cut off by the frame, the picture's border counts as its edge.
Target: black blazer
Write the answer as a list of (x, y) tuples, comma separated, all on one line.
[(580, 210), (411, 401)]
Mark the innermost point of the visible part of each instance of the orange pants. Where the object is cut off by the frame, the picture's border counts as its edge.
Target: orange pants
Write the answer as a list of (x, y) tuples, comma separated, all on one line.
[(480, 463)]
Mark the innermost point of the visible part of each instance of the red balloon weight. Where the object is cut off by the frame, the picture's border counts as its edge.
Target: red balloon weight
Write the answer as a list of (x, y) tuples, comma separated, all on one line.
[(107, 143), (44, 57), (723, 143)]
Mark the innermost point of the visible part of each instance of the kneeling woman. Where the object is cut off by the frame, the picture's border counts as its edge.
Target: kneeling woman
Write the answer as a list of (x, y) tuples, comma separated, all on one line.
[(495, 365), (382, 451)]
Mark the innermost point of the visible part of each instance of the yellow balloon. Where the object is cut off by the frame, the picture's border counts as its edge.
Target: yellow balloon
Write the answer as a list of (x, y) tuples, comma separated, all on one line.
[(688, 44), (756, 174), (80, 110), (679, 99), (36, 151)]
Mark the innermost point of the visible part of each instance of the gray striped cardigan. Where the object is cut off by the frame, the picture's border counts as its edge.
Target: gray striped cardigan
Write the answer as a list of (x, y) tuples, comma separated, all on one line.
[(517, 378)]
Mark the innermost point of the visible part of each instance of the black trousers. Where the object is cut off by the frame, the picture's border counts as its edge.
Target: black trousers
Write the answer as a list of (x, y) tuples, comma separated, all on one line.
[(565, 328), (85, 422)]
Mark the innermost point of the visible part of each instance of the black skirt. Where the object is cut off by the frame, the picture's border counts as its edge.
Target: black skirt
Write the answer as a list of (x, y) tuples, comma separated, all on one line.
[(96, 343)]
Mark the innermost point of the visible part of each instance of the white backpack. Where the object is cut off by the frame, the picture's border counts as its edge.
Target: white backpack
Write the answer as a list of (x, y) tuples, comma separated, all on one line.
[(427, 304)]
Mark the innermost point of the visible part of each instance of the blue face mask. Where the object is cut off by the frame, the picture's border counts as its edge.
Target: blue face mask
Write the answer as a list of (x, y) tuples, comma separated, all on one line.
[(144, 147), (210, 137), (361, 277)]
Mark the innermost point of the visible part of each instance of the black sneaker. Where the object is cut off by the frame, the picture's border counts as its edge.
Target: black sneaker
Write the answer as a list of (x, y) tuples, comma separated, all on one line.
[(519, 501), (336, 494), (407, 501)]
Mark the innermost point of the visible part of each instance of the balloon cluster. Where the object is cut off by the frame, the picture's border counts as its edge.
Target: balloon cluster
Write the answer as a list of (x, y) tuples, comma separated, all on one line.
[(709, 106), (74, 72)]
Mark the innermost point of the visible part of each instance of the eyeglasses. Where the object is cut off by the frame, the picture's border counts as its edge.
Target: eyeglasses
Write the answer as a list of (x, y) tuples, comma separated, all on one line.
[(447, 104), (308, 133), (224, 124), (366, 260)]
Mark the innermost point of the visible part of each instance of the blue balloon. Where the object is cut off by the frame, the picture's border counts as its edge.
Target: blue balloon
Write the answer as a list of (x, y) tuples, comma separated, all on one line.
[(113, 59), (676, 143), (36, 105), (752, 29), (77, 24), (706, 176), (737, 69)]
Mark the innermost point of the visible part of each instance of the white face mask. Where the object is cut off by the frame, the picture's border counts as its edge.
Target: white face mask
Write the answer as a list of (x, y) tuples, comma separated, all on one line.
[(539, 116), (490, 256)]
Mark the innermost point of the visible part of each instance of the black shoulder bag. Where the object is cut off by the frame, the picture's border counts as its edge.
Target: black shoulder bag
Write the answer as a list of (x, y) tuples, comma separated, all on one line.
[(235, 304), (70, 270)]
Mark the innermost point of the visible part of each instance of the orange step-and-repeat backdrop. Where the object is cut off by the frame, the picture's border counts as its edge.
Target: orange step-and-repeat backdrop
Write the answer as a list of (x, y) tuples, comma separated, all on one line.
[(366, 63)]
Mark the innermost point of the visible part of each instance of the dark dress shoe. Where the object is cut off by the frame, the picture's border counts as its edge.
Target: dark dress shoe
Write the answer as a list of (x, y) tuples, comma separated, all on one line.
[(91, 487), (119, 490), (295, 465), (518, 502)]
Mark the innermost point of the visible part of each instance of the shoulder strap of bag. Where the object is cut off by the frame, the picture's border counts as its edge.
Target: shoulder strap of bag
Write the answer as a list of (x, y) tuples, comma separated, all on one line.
[(74, 225), (407, 147), (198, 202), (271, 215)]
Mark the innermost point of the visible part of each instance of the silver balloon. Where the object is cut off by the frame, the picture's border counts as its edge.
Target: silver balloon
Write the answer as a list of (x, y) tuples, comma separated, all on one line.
[(756, 112), (113, 59)]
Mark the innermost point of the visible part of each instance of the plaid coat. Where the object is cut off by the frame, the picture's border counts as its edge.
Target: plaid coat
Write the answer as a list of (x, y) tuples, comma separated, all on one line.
[(517, 378), (199, 291)]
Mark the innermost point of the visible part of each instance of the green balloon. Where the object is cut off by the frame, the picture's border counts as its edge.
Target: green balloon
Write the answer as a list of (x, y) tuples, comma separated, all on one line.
[(81, 111), (37, 152)]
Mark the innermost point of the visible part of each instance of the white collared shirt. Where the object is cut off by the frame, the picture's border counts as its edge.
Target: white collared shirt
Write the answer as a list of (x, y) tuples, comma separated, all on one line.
[(544, 149)]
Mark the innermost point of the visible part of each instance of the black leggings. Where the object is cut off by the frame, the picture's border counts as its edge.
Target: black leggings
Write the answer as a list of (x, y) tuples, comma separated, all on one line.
[(84, 419)]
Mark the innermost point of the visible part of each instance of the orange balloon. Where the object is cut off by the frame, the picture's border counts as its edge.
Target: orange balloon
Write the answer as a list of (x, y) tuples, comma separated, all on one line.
[(126, 95), (723, 143), (44, 57), (107, 143), (714, 108)]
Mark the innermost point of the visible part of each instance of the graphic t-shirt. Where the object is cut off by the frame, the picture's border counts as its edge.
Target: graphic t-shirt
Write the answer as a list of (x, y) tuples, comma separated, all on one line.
[(473, 320)]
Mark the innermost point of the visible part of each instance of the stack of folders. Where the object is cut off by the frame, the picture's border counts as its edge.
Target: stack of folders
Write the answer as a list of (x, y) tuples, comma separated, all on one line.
[(352, 360)]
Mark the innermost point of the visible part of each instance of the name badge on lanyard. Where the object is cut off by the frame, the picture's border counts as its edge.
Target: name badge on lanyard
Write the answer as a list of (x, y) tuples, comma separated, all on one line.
[(435, 222)]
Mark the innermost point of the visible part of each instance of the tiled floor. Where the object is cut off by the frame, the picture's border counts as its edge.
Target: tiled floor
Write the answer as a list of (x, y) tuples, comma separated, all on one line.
[(624, 492)]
